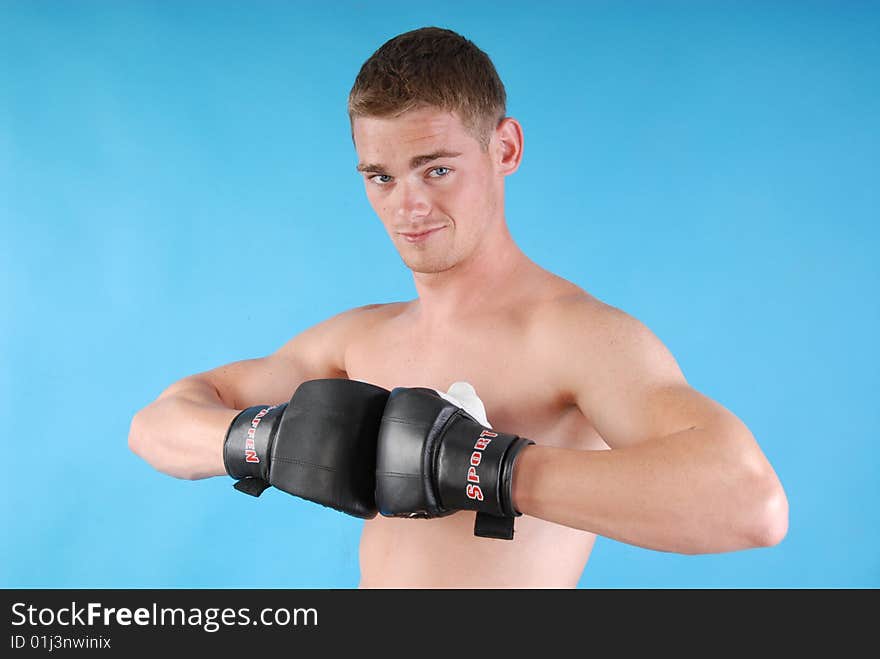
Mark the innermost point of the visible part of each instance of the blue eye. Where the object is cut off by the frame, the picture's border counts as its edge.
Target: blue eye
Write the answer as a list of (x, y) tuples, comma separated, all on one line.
[(444, 170), (385, 177)]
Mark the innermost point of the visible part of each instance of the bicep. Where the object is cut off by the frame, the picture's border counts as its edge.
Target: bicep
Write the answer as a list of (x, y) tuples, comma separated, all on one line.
[(259, 381), (651, 411), (626, 382)]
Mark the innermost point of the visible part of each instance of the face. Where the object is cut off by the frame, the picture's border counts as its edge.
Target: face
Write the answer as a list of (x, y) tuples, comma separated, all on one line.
[(429, 181)]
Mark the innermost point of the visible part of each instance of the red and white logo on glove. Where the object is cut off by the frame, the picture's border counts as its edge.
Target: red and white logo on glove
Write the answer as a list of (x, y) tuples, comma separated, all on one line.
[(473, 489), (250, 449)]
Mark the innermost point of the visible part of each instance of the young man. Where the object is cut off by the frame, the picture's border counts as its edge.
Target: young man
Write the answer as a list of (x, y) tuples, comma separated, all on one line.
[(550, 363)]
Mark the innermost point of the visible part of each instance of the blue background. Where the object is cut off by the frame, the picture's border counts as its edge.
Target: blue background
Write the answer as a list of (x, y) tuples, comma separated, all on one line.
[(177, 191)]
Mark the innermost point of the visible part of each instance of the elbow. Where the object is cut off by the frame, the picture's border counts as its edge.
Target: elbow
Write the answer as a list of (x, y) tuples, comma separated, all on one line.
[(141, 442), (769, 514), (148, 438), (761, 502), (136, 435)]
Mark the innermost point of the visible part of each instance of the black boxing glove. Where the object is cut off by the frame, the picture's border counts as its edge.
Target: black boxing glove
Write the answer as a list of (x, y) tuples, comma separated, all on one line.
[(320, 446), (433, 458)]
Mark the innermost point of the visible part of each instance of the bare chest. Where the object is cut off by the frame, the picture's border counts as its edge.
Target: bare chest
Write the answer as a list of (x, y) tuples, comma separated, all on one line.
[(498, 361)]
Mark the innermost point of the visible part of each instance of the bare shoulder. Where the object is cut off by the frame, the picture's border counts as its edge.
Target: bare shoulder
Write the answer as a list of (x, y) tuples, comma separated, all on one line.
[(363, 317), (328, 340), (587, 343), (564, 307), (584, 317), (360, 321), (618, 373)]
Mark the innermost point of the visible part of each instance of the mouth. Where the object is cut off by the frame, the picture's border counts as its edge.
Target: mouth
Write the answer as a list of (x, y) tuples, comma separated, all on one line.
[(420, 236)]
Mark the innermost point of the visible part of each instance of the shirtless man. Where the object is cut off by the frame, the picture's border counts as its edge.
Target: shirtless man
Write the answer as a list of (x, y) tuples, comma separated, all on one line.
[(624, 447)]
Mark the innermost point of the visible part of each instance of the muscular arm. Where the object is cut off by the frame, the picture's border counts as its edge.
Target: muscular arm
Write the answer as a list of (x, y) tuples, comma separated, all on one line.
[(181, 433), (683, 474)]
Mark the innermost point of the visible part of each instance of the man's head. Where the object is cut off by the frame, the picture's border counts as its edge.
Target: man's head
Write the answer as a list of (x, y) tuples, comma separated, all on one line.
[(431, 67), (432, 93)]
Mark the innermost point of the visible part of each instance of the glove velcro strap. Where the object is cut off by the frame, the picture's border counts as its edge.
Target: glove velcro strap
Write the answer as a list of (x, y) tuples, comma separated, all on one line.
[(492, 526), (253, 486)]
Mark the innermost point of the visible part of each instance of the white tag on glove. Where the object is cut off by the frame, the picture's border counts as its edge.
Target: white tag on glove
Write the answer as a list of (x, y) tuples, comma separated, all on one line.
[(465, 396)]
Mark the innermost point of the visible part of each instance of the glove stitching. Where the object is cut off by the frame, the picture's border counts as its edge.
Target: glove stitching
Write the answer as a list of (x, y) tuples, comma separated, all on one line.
[(404, 421), (399, 474), (303, 463)]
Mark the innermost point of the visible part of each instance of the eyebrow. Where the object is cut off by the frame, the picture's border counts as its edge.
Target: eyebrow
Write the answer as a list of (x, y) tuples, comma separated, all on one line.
[(414, 163)]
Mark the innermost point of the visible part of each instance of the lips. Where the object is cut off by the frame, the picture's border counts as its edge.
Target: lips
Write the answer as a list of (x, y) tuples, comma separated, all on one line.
[(418, 236)]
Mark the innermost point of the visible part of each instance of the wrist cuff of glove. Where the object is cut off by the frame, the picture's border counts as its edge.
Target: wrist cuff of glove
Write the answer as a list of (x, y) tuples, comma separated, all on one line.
[(249, 441), (487, 525), (506, 476)]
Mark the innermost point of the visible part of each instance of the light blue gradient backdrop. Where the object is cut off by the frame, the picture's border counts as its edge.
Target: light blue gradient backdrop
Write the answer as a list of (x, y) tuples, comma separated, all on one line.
[(177, 191)]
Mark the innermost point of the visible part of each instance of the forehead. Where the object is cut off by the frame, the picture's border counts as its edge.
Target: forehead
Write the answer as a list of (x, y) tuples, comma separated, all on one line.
[(421, 130)]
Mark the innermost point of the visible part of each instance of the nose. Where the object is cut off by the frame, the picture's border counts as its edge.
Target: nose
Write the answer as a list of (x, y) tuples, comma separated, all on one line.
[(413, 203)]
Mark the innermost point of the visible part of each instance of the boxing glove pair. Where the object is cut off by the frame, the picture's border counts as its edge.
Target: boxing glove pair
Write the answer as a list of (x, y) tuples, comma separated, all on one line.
[(361, 449)]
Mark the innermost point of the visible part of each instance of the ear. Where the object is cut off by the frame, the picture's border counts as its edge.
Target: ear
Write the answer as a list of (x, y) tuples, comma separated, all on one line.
[(508, 146)]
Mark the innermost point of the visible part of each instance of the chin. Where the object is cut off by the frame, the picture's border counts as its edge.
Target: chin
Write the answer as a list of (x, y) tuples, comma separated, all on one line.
[(428, 266)]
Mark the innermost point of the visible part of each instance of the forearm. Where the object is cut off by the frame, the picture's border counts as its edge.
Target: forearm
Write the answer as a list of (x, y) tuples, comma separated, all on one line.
[(691, 492), (182, 432)]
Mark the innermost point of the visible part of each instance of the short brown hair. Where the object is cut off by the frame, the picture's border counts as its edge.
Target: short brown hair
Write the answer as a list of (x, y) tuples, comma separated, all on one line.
[(432, 67)]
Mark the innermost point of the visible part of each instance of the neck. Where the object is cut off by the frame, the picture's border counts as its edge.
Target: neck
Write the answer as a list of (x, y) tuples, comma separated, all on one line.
[(476, 284)]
